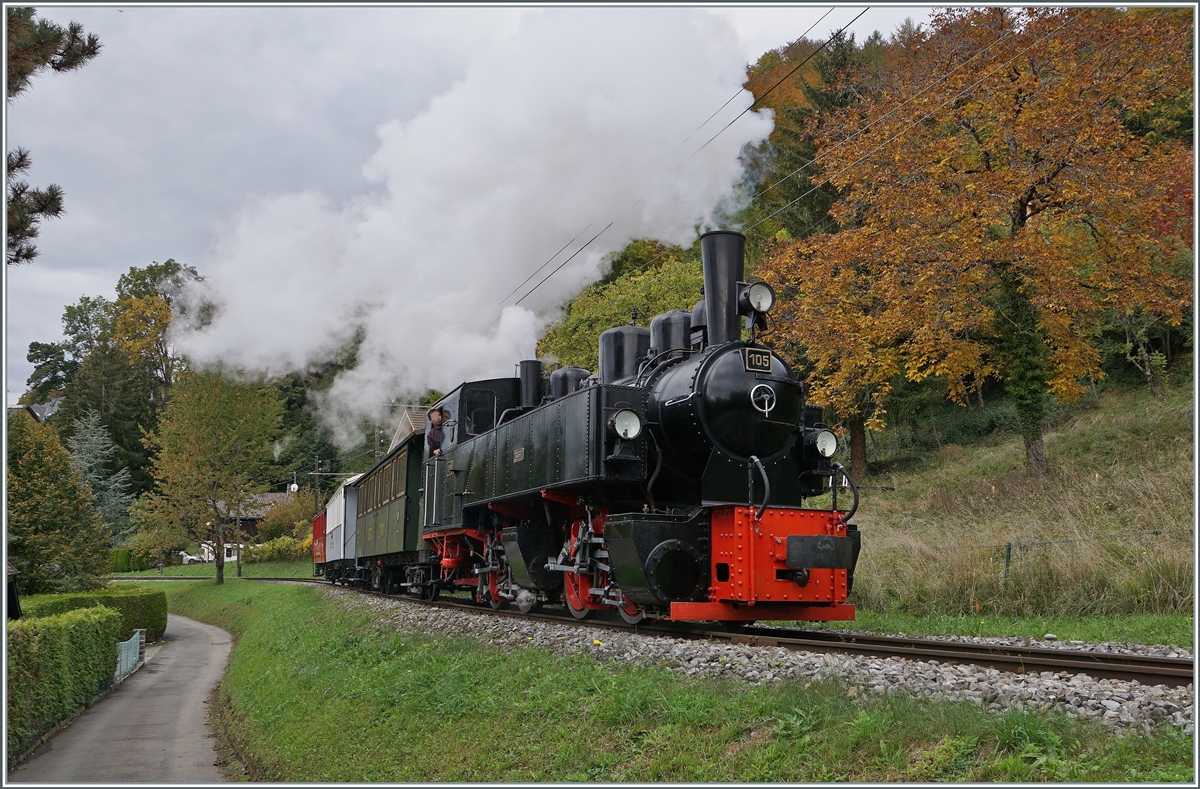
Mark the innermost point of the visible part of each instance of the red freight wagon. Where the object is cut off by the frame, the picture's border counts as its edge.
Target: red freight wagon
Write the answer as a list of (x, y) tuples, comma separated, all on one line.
[(319, 538)]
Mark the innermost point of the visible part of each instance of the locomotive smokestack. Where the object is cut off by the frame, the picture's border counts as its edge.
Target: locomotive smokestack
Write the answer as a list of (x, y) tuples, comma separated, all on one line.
[(723, 253)]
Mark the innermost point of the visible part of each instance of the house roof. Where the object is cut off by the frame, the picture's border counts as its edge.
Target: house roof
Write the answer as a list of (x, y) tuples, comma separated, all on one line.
[(411, 421), (43, 411), (256, 505)]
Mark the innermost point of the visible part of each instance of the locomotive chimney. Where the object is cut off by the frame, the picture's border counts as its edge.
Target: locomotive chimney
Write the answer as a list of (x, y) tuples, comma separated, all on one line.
[(723, 253)]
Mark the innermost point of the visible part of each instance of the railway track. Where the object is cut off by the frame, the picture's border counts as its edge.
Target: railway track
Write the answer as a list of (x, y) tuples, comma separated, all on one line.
[(1145, 669)]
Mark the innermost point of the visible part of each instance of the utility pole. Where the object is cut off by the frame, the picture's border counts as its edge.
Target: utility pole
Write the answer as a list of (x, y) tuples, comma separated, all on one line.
[(316, 485)]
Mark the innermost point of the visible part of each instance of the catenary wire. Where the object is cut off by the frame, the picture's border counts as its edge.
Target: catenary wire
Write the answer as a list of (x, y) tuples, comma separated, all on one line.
[(714, 137), (776, 85)]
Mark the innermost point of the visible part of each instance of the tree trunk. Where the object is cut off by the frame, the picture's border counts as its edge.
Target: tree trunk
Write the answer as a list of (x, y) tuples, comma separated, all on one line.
[(1020, 347), (858, 447), (1035, 455), (219, 552)]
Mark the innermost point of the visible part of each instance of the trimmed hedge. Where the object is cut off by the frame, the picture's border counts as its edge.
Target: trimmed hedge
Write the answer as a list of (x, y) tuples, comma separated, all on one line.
[(119, 560), (56, 664), (139, 608)]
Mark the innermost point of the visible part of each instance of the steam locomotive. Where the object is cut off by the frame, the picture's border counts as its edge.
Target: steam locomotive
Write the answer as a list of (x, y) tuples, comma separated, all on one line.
[(670, 484)]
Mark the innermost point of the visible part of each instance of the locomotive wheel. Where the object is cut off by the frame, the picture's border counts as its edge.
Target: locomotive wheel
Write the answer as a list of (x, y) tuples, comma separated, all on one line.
[(573, 600), (497, 603), (632, 613)]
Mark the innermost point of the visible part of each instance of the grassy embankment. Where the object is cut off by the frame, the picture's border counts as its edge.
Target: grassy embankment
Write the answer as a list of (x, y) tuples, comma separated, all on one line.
[(409, 707), (299, 569), (1108, 532)]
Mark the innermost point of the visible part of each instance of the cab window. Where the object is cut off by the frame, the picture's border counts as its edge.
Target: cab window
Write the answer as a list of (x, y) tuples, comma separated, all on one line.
[(479, 411)]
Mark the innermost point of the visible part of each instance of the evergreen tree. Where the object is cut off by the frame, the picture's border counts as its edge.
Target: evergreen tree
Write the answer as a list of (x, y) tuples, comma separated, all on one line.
[(109, 384), (34, 46), (56, 540), (94, 453)]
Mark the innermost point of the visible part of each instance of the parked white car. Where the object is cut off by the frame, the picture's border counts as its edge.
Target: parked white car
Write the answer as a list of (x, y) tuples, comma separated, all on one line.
[(190, 559)]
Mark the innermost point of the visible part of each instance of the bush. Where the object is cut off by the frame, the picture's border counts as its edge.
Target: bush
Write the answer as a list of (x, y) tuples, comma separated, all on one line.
[(280, 549), (139, 608), (119, 560), (56, 664)]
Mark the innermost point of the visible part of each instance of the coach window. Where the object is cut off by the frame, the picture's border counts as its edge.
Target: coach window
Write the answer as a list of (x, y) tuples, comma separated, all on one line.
[(479, 407)]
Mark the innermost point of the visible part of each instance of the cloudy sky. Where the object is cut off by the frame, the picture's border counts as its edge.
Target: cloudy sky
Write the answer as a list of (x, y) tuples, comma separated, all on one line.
[(398, 169)]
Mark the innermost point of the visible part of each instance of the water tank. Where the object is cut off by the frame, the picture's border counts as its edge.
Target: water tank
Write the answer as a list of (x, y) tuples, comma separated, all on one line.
[(566, 380), (671, 331), (621, 348)]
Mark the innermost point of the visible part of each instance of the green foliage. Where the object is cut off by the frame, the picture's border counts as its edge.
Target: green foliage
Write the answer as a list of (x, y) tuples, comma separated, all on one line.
[(165, 280), (120, 560), (280, 549), (56, 664), (675, 284), (52, 370), (33, 47), (291, 517), (139, 608), (56, 541), (27, 207)]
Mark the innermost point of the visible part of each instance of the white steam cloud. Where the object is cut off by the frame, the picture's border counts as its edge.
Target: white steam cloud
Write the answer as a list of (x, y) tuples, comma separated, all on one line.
[(571, 122)]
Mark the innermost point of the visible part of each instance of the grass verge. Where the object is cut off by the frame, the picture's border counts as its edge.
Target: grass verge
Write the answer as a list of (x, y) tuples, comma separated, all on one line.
[(300, 569), (307, 670)]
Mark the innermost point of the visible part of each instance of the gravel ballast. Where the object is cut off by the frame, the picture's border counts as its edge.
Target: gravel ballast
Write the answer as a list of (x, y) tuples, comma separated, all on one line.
[(1120, 705)]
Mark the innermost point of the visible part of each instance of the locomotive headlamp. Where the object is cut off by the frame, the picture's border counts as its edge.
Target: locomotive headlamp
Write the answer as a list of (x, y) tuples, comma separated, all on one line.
[(761, 297), (626, 424), (825, 442)]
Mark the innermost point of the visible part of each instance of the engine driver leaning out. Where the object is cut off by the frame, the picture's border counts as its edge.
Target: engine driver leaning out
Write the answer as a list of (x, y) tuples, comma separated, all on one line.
[(434, 436)]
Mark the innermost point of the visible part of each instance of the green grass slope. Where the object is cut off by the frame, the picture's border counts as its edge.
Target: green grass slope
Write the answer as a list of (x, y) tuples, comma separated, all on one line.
[(1109, 530)]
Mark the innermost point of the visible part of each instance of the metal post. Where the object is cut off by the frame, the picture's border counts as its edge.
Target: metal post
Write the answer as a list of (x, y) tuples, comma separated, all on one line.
[(1007, 558), (141, 634)]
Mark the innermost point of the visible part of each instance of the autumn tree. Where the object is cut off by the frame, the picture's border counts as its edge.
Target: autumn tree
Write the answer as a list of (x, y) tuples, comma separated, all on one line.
[(213, 449), (34, 46), (56, 540), (998, 199)]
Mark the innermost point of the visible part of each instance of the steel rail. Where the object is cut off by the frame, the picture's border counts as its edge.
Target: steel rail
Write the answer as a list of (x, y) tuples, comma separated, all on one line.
[(1144, 669)]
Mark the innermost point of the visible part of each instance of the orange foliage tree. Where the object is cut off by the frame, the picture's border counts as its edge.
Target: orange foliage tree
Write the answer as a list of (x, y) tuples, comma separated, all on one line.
[(992, 214)]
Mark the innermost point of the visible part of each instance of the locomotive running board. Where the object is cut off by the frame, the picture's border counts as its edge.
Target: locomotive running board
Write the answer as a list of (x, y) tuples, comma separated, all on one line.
[(761, 612)]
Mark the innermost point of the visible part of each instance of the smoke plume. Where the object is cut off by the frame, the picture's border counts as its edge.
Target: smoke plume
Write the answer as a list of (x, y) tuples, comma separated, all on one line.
[(571, 122)]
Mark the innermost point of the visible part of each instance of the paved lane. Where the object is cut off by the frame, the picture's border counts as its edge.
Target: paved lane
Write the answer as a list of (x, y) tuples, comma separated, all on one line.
[(150, 729)]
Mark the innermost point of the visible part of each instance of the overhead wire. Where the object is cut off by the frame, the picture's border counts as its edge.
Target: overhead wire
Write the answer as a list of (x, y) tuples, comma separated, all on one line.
[(778, 59), (702, 147), (777, 84)]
